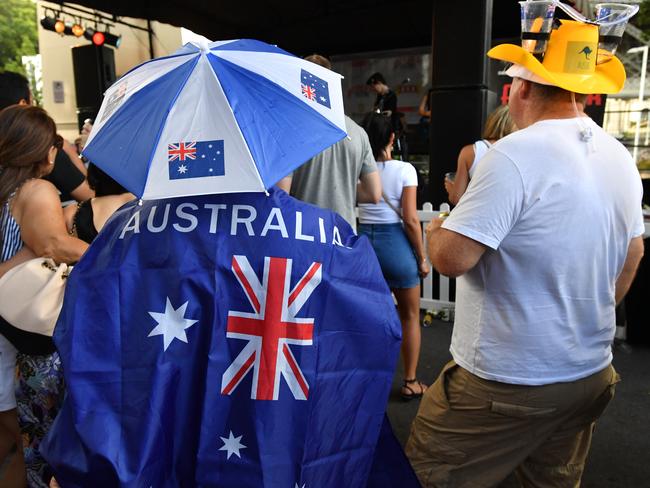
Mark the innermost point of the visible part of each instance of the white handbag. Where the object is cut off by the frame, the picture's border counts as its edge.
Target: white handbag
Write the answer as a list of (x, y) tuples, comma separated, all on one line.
[(31, 295)]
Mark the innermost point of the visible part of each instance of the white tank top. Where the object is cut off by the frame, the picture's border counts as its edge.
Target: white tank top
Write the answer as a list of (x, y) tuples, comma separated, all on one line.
[(480, 148)]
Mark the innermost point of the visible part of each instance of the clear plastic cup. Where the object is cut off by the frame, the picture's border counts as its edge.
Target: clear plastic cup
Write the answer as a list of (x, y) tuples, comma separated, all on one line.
[(536, 22), (612, 19)]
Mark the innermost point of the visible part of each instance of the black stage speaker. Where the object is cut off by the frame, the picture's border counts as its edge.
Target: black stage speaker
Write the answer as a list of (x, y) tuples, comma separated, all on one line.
[(94, 72), (461, 37), (460, 98), (456, 120)]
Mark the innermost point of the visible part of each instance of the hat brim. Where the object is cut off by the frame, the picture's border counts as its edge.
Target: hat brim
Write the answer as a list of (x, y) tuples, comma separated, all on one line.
[(608, 78)]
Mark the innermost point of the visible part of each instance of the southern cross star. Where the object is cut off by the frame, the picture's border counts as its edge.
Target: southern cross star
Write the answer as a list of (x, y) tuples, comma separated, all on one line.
[(171, 324), (232, 445)]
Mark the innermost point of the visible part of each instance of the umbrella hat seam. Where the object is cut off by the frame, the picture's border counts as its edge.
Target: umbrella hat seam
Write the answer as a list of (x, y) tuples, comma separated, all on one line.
[(245, 142)]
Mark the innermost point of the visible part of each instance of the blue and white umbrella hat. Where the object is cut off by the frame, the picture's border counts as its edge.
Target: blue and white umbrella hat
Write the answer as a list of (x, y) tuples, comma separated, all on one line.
[(230, 116)]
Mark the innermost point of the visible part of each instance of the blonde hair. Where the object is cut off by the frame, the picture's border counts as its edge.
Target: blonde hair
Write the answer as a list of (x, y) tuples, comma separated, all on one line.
[(498, 124)]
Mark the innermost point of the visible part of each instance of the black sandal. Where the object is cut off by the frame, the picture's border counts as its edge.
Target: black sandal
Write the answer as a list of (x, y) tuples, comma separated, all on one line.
[(413, 394)]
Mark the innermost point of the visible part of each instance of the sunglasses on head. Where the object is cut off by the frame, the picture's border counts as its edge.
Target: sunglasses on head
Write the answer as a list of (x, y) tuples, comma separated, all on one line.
[(58, 142)]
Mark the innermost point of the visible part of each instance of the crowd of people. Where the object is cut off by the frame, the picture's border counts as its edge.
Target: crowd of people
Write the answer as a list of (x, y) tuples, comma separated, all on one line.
[(531, 369)]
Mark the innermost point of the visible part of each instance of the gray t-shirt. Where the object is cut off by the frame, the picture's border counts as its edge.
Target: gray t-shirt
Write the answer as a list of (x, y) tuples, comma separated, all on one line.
[(329, 179)]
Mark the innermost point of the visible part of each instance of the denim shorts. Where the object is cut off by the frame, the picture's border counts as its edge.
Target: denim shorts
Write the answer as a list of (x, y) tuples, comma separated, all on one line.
[(394, 253)]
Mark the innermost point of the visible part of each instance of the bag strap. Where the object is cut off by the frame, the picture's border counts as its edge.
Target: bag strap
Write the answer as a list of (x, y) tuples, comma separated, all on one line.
[(399, 214)]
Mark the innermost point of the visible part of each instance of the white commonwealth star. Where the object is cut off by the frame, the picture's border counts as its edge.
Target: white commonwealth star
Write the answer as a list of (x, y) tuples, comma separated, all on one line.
[(297, 486), (171, 324), (232, 445), (182, 168), (323, 99)]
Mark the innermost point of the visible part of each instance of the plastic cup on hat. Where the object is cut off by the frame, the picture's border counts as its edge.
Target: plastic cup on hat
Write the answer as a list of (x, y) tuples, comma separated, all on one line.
[(536, 22), (612, 19)]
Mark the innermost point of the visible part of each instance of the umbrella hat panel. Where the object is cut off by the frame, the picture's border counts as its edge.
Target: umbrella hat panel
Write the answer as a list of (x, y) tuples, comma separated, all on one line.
[(248, 45), (283, 129), (201, 149), (315, 86), (124, 140)]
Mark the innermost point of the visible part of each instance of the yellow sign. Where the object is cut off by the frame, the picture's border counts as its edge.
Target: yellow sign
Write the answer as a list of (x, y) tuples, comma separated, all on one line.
[(580, 57)]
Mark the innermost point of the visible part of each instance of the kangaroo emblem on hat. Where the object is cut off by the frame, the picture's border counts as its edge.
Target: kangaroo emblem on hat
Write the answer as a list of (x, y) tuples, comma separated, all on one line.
[(586, 51)]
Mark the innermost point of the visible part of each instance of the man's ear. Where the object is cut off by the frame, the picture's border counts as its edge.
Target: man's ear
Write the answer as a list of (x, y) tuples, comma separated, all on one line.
[(525, 89), (22, 101)]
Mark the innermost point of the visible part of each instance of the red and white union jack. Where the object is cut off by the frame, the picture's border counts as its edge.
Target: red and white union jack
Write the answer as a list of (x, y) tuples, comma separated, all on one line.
[(270, 328), (181, 151), (308, 92)]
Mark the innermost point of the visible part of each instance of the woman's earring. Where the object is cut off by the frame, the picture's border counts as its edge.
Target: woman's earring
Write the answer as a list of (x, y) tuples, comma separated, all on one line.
[(51, 162)]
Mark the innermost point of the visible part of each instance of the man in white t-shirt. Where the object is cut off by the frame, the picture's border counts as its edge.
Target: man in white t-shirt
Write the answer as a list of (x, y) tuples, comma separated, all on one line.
[(544, 243)]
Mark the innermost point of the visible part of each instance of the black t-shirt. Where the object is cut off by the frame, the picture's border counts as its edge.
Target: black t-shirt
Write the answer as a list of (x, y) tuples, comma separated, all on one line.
[(65, 175), (388, 101)]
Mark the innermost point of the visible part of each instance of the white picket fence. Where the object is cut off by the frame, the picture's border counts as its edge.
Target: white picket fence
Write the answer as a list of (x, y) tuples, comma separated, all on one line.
[(427, 300)]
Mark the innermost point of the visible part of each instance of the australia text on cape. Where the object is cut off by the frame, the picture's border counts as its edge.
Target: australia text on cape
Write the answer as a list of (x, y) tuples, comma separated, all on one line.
[(243, 218)]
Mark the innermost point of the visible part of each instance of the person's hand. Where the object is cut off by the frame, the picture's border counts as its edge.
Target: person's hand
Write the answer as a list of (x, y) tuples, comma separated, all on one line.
[(433, 225), (423, 267), (87, 127), (449, 186)]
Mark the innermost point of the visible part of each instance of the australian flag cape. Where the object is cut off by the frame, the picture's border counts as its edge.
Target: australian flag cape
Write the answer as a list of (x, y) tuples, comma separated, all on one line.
[(237, 340)]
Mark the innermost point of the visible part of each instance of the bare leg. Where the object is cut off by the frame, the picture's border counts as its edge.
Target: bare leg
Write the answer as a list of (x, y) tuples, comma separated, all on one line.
[(12, 465), (408, 307)]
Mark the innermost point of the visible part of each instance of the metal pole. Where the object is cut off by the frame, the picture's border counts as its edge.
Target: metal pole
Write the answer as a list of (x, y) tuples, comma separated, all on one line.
[(150, 32), (644, 66)]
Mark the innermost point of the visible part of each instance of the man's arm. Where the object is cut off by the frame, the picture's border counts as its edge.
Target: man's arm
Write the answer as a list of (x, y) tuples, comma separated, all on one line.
[(71, 151), (632, 260), (83, 192), (369, 187), (450, 253)]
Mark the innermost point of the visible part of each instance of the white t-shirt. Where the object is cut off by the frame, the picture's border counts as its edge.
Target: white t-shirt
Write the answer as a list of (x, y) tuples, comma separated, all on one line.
[(538, 308), (395, 175)]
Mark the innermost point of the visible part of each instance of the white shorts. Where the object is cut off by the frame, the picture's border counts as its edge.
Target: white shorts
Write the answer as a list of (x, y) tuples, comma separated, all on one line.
[(7, 375)]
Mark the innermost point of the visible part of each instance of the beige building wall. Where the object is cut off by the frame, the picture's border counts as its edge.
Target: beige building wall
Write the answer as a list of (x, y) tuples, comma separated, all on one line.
[(56, 57)]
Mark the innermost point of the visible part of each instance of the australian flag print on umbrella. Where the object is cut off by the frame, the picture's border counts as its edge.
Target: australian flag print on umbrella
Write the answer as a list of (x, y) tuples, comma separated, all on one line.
[(195, 159), (269, 110)]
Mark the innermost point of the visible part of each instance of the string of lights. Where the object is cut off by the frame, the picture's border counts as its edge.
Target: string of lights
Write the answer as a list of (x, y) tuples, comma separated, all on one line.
[(56, 21)]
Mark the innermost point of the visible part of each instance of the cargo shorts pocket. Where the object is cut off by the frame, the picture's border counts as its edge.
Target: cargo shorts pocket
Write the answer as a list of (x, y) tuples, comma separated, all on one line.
[(602, 401), (520, 411)]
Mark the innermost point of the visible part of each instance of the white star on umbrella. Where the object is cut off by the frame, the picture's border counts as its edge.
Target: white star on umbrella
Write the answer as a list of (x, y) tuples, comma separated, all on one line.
[(323, 99), (232, 445), (303, 486), (182, 168), (171, 324)]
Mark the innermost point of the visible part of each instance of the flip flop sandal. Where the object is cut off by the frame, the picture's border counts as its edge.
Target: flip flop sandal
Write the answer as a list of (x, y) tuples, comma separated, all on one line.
[(413, 394)]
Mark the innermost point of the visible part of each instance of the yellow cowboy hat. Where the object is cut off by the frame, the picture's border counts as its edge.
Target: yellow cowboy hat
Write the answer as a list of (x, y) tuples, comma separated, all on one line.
[(569, 61)]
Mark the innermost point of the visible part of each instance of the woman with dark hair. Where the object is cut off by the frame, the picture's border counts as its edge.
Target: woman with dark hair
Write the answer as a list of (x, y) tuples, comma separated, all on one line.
[(393, 227), (31, 219), (87, 218)]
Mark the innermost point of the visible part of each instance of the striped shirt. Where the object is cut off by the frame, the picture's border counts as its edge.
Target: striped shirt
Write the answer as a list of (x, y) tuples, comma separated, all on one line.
[(11, 240)]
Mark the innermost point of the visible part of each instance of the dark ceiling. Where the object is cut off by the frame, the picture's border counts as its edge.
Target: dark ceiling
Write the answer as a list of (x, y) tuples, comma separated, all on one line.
[(327, 26)]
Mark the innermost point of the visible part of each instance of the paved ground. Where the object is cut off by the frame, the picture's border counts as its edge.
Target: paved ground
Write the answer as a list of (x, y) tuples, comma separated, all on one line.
[(620, 453)]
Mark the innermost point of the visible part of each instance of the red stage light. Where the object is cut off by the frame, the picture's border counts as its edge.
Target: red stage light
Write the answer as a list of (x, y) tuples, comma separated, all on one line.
[(98, 38)]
